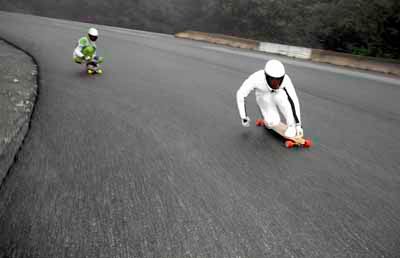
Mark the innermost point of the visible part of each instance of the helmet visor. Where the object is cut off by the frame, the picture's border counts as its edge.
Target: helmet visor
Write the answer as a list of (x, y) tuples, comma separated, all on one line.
[(273, 82), (92, 38)]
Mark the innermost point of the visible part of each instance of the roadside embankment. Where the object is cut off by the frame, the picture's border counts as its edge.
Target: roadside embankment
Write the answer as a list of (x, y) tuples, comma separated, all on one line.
[(18, 90), (317, 55)]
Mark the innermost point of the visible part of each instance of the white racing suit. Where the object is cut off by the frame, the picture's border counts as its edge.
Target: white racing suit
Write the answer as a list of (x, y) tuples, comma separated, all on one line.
[(270, 101)]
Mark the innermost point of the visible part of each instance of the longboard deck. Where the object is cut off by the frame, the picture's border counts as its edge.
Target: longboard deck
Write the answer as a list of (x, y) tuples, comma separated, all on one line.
[(290, 141)]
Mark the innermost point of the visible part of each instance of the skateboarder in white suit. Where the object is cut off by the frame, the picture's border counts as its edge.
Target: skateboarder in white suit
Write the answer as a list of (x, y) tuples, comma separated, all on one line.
[(274, 91)]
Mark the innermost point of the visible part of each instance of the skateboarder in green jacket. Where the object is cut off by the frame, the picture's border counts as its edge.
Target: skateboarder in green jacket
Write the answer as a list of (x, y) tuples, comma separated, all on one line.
[(85, 52)]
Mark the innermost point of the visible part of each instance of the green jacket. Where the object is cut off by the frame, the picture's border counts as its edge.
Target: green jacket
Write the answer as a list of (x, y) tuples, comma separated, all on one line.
[(83, 43)]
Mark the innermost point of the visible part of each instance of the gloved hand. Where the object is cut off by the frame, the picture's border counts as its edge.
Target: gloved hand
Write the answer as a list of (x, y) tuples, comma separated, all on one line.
[(87, 58), (299, 130), (294, 131), (99, 59), (246, 121)]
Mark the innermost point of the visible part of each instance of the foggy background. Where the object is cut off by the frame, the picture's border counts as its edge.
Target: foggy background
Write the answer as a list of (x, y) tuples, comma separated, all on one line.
[(365, 27)]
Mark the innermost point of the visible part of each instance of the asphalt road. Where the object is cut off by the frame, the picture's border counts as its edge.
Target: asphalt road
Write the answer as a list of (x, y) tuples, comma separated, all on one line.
[(150, 159)]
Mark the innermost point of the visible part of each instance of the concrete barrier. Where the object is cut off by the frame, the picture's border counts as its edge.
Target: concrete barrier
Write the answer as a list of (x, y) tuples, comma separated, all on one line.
[(219, 39), (291, 51), (387, 66)]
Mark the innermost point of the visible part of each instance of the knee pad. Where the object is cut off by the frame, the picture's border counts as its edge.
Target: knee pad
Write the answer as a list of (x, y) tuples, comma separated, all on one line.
[(290, 131)]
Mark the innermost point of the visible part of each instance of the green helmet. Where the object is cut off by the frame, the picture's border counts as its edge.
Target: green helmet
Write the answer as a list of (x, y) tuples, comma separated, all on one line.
[(88, 51)]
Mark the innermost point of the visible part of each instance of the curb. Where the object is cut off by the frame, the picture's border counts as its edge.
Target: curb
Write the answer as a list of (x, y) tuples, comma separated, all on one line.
[(9, 154), (219, 39), (387, 66)]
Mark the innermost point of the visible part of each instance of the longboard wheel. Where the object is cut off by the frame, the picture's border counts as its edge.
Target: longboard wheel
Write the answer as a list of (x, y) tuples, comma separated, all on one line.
[(90, 72), (100, 71), (289, 144), (259, 122), (307, 143)]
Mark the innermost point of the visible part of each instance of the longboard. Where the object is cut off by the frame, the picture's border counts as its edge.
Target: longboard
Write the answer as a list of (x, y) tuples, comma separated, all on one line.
[(290, 142), (94, 69)]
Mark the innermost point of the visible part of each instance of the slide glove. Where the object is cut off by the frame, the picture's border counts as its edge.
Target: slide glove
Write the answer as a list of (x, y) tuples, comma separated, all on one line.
[(246, 121), (294, 131), (299, 130)]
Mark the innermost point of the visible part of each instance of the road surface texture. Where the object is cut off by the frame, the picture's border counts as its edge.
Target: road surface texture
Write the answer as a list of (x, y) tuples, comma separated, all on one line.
[(150, 159), (18, 85)]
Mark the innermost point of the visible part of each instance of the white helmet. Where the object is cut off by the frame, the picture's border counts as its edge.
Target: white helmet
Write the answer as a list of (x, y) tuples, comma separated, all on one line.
[(93, 34), (274, 74)]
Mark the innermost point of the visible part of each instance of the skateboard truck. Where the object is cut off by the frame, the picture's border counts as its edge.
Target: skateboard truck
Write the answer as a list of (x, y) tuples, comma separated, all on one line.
[(93, 68)]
